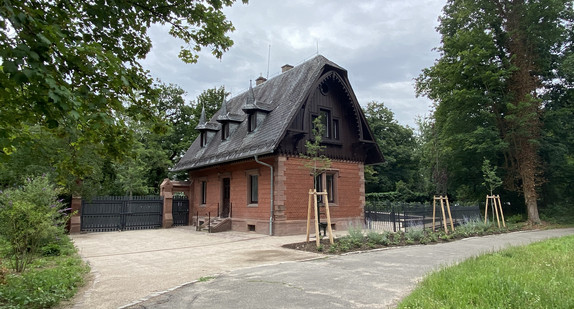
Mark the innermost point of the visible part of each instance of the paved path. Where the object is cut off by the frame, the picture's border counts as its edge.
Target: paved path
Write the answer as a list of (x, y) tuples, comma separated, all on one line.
[(128, 266), (376, 279)]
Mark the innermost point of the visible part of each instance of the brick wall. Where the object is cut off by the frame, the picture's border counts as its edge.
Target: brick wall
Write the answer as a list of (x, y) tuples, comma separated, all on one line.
[(292, 183)]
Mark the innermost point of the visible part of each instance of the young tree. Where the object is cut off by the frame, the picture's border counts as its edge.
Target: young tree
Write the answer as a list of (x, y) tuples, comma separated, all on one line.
[(491, 180), (317, 163), (496, 57)]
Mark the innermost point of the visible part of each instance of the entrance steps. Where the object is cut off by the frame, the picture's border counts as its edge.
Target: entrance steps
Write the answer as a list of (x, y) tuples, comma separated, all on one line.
[(216, 225)]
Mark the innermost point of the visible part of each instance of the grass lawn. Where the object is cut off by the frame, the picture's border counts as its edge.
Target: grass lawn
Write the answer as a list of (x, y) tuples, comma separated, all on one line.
[(540, 275)]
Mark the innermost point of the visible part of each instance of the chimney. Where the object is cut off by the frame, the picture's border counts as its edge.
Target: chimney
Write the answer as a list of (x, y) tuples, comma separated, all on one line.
[(286, 68), (260, 80)]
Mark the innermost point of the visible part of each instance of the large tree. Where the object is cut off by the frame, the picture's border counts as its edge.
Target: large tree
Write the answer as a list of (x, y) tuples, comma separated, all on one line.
[(497, 56), (72, 67), (399, 146)]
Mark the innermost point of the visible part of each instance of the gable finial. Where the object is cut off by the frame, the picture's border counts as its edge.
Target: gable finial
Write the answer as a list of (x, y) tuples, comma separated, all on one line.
[(250, 100), (202, 116), (224, 106)]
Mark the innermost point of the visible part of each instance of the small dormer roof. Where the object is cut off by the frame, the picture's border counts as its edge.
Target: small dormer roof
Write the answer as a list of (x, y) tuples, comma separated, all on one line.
[(203, 125), (226, 116), (251, 104)]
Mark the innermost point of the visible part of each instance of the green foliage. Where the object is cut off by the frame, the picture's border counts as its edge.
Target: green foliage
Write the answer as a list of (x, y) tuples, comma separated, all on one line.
[(559, 214), (47, 282), (491, 180), (540, 275), (73, 74), (30, 217), (316, 162), (484, 86), (398, 145), (356, 236), (414, 234)]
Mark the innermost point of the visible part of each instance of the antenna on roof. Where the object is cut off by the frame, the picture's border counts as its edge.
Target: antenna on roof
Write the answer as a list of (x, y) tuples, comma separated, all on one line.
[(317, 46), (268, 60)]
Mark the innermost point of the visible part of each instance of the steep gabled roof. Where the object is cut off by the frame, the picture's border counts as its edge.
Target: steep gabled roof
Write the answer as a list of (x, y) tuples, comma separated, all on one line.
[(281, 96)]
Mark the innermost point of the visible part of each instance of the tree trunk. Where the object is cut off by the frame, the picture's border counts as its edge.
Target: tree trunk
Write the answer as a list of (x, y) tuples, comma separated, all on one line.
[(523, 121)]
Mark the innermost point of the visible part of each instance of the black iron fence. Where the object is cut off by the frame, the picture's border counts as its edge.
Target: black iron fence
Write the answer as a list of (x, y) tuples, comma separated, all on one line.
[(386, 216), (180, 210), (111, 213)]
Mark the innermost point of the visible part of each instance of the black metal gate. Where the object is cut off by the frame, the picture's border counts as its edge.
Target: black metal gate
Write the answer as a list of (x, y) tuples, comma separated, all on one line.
[(180, 210), (112, 213)]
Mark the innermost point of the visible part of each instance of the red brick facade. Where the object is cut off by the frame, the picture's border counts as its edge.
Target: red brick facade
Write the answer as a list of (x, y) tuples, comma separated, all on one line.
[(292, 182)]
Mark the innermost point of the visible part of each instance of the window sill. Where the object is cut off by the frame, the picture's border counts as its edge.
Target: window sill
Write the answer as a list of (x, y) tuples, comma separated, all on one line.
[(330, 204), (332, 142), (252, 205)]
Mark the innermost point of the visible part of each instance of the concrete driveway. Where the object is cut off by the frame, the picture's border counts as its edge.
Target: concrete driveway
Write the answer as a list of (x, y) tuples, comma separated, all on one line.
[(131, 265), (376, 279)]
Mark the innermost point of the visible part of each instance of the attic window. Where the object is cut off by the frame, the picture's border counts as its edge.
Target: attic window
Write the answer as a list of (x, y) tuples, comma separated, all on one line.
[(252, 122), (204, 139), (324, 88), (225, 131), (326, 115)]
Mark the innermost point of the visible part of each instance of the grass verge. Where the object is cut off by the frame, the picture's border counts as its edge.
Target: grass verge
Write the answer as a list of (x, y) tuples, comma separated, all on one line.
[(540, 275), (48, 280)]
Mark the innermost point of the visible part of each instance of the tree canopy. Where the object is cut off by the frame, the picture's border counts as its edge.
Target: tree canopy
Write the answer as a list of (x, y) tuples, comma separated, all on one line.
[(497, 58), (71, 70)]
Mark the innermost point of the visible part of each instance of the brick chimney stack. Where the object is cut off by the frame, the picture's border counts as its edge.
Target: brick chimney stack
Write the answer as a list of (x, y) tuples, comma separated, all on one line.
[(286, 68), (260, 80)]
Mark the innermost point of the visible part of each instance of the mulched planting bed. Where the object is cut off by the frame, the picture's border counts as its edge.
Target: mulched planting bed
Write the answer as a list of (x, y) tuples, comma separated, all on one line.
[(355, 242)]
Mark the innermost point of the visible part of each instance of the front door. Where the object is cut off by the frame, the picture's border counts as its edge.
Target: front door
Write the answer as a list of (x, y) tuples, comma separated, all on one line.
[(225, 198)]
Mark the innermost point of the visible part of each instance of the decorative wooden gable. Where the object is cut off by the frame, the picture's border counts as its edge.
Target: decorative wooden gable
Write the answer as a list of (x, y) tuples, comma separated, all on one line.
[(347, 134)]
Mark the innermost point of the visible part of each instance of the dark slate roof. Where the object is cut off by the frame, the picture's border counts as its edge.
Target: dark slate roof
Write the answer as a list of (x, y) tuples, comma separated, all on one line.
[(281, 95)]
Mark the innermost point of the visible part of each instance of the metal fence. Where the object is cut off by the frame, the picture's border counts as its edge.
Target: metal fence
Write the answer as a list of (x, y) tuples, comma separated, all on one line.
[(386, 216), (112, 213), (180, 210)]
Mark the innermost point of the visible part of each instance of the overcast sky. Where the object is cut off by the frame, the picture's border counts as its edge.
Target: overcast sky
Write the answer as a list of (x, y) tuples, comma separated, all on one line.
[(383, 44)]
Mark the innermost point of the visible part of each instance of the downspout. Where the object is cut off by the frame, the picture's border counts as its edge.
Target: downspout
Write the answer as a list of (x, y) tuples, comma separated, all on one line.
[(271, 205)]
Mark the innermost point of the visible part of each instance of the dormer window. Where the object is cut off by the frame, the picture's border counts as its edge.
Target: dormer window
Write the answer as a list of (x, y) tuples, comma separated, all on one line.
[(252, 122), (204, 138), (255, 110), (224, 131)]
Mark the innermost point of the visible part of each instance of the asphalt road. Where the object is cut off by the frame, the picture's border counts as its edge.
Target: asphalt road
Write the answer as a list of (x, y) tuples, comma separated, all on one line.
[(375, 279)]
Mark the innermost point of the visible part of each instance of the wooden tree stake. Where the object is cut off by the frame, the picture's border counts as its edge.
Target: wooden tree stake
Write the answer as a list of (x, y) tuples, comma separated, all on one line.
[(443, 200), (496, 207), (313, 197)]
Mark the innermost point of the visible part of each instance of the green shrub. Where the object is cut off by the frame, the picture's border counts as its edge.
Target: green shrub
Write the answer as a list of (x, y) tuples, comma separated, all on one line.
[(356, 236), (414, 235), (31, 217), (515, 218), (375, 237), (557, 213), (43, 286)]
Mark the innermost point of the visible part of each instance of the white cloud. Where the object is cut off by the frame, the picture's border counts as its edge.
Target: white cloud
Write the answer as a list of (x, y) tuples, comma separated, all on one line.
[(382, 44)]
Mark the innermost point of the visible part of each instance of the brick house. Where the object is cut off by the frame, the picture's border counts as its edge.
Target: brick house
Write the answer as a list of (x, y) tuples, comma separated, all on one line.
[(246, 165)]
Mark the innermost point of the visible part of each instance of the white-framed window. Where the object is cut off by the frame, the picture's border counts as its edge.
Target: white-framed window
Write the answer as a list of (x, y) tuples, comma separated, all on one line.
[(252, 187), (327, 181)]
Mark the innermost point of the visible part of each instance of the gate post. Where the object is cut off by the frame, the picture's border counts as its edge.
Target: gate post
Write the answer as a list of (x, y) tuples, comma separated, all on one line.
[(167, 193), (76, 219)]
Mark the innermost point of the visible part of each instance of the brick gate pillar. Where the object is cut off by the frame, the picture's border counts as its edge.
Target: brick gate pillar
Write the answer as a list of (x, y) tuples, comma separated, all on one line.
[(76, 219), (166, 190)]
